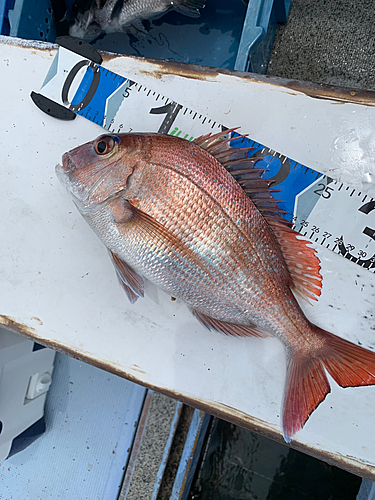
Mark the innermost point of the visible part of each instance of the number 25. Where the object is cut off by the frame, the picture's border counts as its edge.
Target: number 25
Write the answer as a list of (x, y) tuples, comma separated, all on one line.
[(324, 191)]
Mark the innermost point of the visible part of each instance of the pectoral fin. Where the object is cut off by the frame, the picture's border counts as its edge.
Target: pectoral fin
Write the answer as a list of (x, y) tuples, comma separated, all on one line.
[(130, 280)]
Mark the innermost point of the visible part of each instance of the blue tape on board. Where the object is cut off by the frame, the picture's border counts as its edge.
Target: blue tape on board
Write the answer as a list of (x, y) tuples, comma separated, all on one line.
[(289, 177), (108, 83)]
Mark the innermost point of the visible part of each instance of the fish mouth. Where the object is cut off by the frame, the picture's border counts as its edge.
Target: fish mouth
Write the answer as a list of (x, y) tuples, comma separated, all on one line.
[(67, 164), (64, 169), (64, 173)]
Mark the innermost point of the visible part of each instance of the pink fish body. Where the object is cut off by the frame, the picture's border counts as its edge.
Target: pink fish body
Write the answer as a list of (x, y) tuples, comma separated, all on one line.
[(168, 210)]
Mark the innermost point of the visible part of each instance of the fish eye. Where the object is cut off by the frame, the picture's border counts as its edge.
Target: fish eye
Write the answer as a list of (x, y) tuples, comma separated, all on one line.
[(105, 145)]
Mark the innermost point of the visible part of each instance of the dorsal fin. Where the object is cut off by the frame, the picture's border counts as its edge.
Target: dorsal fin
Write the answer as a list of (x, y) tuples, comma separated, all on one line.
[(302, 262), (208, 141), (301, 259), (241, 168)]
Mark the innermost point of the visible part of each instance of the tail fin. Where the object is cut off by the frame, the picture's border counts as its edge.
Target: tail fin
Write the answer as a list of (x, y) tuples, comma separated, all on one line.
[(348, 364), (307, 384), (306, 387)]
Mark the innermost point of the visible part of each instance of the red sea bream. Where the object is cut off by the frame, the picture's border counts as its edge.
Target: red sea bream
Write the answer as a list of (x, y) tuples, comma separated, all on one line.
[(196, 219)]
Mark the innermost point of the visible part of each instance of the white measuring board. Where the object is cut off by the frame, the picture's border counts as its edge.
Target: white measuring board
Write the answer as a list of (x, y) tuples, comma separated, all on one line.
[(58, 285), (309, 198)]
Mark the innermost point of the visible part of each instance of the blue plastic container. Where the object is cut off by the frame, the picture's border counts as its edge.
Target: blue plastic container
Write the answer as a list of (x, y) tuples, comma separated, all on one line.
[(232, 35), (258, 33), (31, 19), (5, 5)]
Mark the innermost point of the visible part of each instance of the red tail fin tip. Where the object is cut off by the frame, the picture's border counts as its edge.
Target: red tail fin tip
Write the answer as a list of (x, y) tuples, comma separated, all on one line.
[(306, 387), (348, 364)]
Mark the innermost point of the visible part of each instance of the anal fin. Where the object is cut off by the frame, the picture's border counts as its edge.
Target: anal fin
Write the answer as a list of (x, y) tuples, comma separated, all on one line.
[(229, 328), (130, 280)]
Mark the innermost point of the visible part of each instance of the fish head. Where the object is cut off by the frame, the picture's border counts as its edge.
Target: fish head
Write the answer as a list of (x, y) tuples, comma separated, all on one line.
[(99, 170)]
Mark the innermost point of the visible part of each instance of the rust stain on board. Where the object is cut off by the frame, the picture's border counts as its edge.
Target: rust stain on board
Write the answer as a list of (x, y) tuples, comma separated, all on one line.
[(338, 95), (214, 408), (38, 320), (136, 368), (160, 69), (16, 326)]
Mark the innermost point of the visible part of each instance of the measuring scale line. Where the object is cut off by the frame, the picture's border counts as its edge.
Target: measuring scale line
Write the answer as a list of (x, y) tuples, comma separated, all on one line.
[(327, 212)]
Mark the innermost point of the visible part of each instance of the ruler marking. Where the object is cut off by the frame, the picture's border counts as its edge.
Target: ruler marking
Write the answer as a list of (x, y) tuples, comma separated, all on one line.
[(351, 194), (339, 189)]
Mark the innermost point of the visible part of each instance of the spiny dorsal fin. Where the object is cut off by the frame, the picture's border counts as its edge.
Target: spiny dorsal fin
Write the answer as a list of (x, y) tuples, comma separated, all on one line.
[(241, 168), (208, 141), (301, 259)]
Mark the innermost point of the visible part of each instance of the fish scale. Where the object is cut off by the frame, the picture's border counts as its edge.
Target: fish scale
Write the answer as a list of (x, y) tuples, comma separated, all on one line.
[(189, 227), (224, 190)]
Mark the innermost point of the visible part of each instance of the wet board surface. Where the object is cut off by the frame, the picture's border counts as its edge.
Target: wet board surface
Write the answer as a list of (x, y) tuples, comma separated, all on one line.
[(58, 285)]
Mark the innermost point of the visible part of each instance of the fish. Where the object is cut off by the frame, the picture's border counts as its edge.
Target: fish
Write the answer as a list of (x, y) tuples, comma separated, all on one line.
[(116, 16), (197, 219)]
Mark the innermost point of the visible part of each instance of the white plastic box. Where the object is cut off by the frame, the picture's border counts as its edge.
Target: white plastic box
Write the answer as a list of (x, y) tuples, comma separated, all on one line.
[(25, 377)]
